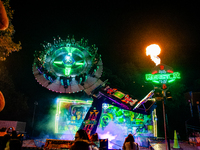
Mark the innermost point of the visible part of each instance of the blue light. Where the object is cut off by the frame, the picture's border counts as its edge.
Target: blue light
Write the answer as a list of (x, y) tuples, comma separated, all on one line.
[(105, 106), (67, 57)]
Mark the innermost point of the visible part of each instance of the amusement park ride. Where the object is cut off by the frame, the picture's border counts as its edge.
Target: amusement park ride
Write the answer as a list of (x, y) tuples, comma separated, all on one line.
[(69, 66)]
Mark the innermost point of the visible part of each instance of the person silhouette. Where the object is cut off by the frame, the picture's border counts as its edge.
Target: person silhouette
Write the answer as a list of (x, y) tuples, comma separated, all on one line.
[(95, 141), (130, 144), (13, 144), (81, 141)]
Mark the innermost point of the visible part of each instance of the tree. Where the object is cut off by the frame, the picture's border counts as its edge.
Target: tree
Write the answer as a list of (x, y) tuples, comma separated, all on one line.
[(15, 102), (7, 45)]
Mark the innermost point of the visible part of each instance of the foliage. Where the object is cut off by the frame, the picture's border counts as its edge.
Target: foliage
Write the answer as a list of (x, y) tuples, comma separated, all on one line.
[(7, 45)]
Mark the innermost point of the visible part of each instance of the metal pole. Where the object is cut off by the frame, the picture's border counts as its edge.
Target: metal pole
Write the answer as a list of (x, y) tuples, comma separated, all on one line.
[(187, 137), (167, 141), (33, 115), (191, 111), (198, 110), (164, 124), (35, 103)]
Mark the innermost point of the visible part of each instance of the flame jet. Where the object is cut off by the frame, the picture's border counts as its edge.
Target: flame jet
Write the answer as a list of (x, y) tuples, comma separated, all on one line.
[(154, 50)]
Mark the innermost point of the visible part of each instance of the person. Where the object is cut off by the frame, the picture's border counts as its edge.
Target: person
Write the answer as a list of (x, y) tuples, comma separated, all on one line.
[(81, 135), (4, 21), (178, 135), (13, 144), (95, 141), (130, 144), (80, 145), (4, 141)]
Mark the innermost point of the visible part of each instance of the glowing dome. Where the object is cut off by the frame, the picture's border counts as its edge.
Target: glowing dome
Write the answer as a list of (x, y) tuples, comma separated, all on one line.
[(68, 66)]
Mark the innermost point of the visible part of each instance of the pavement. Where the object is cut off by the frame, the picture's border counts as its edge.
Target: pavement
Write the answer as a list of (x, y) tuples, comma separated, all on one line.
[(155, 145), (162, 146)]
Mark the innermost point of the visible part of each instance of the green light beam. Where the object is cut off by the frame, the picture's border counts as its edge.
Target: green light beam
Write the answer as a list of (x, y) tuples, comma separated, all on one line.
[(58, 62), (67, 71), (79, 63)]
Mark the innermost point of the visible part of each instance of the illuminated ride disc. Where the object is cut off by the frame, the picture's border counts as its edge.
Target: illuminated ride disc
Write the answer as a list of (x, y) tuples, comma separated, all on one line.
[(67, 66)]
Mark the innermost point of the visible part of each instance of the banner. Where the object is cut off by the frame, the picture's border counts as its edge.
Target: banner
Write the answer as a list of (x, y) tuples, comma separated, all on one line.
[(92, 117)]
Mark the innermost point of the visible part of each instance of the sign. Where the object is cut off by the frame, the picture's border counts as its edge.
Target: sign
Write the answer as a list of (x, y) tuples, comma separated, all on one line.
[(57, 144), (162, 75)]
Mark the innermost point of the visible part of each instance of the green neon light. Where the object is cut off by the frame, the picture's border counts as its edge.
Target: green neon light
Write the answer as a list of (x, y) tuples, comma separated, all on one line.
[(57, 118), (74, 101), (67, 71), (167, 76), (119, 94), (58, 62), (170, 81), (79, 63), (155, 81), (64, 100)]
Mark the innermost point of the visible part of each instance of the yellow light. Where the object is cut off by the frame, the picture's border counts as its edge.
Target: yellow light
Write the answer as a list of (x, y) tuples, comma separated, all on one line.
[(153, 50)]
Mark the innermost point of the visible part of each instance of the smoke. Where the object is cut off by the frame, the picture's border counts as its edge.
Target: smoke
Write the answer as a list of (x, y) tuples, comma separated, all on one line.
[(45, 125), (115, 133)]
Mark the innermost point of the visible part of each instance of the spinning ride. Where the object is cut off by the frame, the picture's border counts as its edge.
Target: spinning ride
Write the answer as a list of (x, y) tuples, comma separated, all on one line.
[(68, 66)]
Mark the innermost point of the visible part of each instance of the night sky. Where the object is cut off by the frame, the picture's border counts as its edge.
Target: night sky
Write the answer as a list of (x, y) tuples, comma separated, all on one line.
[(121, 31)]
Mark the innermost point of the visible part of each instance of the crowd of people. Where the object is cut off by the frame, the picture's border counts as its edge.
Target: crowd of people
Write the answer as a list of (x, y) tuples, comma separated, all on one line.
[(11, 141), (84, 142)]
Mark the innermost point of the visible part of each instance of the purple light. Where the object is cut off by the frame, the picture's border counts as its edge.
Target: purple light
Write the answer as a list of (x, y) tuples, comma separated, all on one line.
[(124, 106)]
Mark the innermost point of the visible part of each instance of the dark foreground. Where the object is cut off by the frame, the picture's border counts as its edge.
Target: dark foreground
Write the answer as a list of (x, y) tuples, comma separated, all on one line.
[(162, 146), (158, 145)]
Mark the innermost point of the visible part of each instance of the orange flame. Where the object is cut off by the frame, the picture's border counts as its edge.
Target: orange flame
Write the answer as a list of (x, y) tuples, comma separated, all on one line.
[(153, 50)]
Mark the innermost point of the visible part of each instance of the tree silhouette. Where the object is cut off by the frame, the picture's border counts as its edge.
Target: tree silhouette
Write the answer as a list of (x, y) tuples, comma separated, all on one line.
[(15, 102), (7, 45)]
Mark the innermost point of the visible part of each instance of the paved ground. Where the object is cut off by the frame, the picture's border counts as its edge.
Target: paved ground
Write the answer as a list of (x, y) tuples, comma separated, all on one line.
[(156, 145), (162, 146)]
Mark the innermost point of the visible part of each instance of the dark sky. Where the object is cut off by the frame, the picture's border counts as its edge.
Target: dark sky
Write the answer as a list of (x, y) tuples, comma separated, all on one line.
[(121, 30)]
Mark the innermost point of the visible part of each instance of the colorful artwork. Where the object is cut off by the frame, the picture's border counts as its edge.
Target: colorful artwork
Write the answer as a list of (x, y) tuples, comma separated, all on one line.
[(69, 116), (116, 124), (125, 117), (91, 122)]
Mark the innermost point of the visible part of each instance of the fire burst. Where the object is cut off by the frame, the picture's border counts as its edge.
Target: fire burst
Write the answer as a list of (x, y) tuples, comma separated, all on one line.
[(154, 50)]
